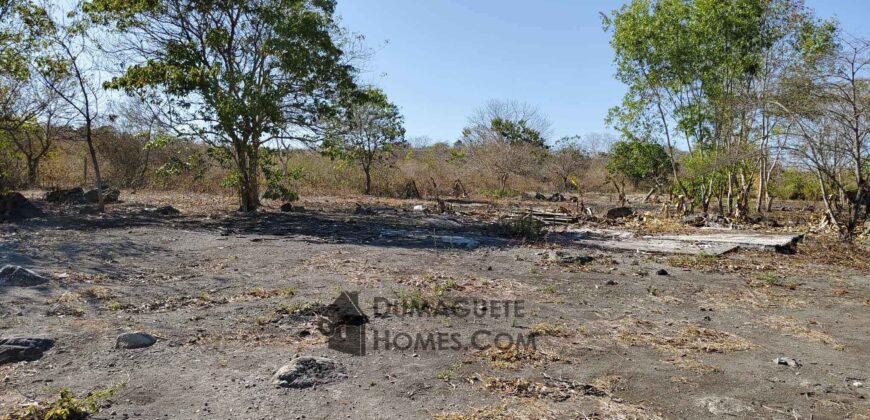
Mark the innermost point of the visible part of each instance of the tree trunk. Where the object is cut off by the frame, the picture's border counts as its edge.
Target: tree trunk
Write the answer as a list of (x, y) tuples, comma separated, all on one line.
[(88, 136), (250, 186), (368, 171), (32, 172)]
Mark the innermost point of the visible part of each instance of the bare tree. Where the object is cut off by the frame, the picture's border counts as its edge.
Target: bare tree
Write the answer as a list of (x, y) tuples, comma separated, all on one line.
[(36, 116), (69, 53), (568, 159), (831, 112)]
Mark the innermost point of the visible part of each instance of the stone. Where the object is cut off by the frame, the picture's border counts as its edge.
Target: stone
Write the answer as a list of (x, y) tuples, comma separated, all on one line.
[(17, 276), (787, 361), (619, 212), (724, 406), (662, 272), (14, 207), (286, 207), (109, 195), (135, 340), (164, 211), (66, 196), (562, 257), (364, 210), (308, 371), (23, 349), (695, 220)]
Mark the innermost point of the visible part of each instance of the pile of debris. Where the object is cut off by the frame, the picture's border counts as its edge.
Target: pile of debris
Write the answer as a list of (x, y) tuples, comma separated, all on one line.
[(15, 207), (79, 196)]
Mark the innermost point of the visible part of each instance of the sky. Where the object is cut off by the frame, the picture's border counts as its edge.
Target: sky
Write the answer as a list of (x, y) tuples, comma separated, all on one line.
[(439, 60)]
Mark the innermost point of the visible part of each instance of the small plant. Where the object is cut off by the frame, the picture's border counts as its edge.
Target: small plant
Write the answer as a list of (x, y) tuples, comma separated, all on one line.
[(526, 227), (549, 289), (67, 406), (113, 305), (412, 299)]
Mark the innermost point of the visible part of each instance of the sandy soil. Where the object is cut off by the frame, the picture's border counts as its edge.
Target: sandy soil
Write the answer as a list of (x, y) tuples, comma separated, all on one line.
[(233, 297)]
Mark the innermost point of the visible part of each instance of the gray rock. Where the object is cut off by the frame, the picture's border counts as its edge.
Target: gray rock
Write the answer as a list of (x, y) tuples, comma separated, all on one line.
[(788, 361), (109, 196), (22, 349), (13, 275), (286, 207), (563, 257), (619, 212), (164, 211), (724, 406), (66, 196), (14, 207), (695, 220), (308, 371), (135, 340)]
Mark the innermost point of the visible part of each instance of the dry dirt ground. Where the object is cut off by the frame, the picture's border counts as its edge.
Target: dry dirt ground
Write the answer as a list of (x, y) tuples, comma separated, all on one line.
[(231, 298)]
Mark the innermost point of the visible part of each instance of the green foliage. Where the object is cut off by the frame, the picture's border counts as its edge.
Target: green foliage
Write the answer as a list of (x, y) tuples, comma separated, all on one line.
[(364, 132), (237, 73), (526, 227), (638, 161), (517, 132), (793, 184), (67, 406), (278, 181)]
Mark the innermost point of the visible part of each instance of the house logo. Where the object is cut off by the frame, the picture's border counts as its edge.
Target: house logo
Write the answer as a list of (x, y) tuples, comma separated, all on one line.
[(343, 322)]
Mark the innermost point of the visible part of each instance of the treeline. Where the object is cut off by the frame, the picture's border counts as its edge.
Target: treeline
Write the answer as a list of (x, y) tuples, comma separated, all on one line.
[(729, 106)]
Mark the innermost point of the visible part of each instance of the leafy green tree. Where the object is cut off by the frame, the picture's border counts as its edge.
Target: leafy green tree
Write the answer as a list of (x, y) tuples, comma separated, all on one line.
[(703, 74), (237, 74), (637, 162), (365, 132)]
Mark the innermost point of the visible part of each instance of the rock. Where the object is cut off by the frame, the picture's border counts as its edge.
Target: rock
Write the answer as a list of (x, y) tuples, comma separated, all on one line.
[(109, 195), (557, 197), (23, 349), (135, 340), (164, 211), (695, 220), (539, 196), (419, 207), (367, 211), (308, 371), (286, 207), (13, 275), (619, 212), (14, 207), (662, 272), (563, 257), (787, 361), (610, 283), (66, 196), (724, 406)]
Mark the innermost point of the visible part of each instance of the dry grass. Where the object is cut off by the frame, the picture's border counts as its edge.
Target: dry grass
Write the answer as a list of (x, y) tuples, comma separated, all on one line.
[(98, 292), (791, 326), (514, 356), (681, 345), (510, 408), (689, 338), (548, 329)]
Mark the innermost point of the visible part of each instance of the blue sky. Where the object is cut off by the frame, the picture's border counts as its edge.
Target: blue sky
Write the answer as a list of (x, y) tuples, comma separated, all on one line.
[(444, 58)]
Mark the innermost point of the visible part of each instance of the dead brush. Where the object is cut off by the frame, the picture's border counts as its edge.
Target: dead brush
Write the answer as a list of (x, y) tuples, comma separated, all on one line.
[(260, 293), (513, 356), (682, 343), (550, 388), (548, 329), (509, 408), (790, 325), (98, 293)]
